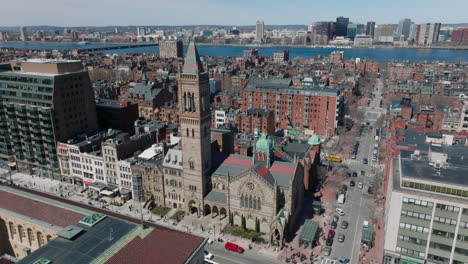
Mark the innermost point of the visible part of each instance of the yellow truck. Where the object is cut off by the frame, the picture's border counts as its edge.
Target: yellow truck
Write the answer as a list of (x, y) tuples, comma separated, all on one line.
[(334, 158)]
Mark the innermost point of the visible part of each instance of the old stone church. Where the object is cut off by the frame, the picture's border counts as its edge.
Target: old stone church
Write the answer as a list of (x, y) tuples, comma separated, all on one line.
[(260, 190)]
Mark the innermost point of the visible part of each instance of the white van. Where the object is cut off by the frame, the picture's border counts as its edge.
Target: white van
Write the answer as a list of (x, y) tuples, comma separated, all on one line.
[(339, 211)]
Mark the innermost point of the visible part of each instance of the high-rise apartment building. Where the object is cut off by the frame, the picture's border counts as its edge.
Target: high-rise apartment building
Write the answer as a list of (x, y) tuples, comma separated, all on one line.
[(260, 30), (140, 31), (341, 26), (171, 49), (23, 34), (294, 108), (370, 29), (404, 28), (427, 34), (42, 102)]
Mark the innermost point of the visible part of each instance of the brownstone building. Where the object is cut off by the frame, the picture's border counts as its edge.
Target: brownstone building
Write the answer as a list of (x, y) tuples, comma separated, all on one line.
[(148, 97), (171, 49), (256, 121)]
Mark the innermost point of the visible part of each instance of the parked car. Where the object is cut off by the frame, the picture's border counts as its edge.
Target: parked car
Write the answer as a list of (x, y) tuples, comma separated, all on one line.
[(334, 225), (370, 190), (365, 224), (343, 260), (339, 211), (234, 247), (365, 161), (360, 185), (329, 242), (209, 242), (348, 174), (344, 224), (331, 233), (341, 237), (336, 218), (208, 255), (363, 173), (352, 183), (354, 174), (327, 251), (344, 188)]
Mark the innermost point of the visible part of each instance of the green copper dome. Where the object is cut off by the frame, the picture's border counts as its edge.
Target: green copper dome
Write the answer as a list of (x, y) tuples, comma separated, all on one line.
[(314, 140), (264, 144)]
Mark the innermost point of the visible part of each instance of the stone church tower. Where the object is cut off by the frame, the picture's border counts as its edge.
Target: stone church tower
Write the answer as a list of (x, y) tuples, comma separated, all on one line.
[(195, 122)]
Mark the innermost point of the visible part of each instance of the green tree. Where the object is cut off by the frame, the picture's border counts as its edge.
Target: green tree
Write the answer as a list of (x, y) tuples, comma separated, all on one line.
[(243, 224), (231, 218), (257, 225)]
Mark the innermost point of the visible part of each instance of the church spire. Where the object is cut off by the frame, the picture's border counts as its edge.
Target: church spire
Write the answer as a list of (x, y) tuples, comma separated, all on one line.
[(192, 64)]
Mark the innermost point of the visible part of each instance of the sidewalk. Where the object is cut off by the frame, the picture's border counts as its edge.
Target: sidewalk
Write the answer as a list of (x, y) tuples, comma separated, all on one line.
[(189, 224)]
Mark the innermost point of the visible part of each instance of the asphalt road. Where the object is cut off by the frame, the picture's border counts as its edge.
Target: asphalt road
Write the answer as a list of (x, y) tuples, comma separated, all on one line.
[(358, 204), (223, 256)]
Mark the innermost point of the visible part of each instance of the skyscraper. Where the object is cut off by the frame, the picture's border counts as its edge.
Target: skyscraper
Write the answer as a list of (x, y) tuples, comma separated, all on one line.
[(428, 34), (195, 123), (360, 29), (341, 26), (370, 29), (43, 101), (404, 28), (352, 31), (260, 30), (23, 34), (321, 32)]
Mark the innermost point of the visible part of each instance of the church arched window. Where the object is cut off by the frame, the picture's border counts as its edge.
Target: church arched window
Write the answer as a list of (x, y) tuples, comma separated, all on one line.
[(259, 207), (242, 200)]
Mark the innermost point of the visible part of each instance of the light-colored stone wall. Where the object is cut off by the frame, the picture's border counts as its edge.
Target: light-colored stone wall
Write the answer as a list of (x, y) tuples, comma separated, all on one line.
[(24, 234)]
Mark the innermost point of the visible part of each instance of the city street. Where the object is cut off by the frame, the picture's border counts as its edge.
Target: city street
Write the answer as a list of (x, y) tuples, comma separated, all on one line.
[(358, 205), (223, 256)]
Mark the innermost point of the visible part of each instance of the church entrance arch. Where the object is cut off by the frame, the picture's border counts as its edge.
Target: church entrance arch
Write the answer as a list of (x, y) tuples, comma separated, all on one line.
[(193, 209), (207, 209)]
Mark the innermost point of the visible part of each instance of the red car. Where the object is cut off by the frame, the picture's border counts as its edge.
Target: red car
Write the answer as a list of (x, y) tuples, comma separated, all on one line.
[(234, 247), (331, 233)]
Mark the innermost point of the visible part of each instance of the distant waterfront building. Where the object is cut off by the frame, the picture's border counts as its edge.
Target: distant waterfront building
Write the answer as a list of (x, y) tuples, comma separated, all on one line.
[(352, 31), (427, 34), (384, 33), (321, 32), (23, 34), (360, 29), (140, 31), (413, 32), (363, 41), (75, 35), (370, 29), (460, 36), (404, 28), (171, 49), (260, 30), (281, 55), (341, 26), (44, 101)]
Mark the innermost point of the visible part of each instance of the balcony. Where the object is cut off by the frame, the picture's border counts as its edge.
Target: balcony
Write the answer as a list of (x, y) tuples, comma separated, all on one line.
[(21, 114)]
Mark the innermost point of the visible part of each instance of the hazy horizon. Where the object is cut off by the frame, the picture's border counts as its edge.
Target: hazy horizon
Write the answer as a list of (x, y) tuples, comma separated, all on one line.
[(69, 13)]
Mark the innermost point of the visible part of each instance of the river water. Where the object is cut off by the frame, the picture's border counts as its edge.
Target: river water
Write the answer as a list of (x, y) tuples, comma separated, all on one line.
[(377, 54)]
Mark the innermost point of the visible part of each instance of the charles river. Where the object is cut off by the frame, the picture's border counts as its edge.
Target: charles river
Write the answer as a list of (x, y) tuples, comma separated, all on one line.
[(377, 54)]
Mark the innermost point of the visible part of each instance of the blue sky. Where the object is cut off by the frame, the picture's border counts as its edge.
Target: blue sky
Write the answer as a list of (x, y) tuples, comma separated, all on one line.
[(225, 12)]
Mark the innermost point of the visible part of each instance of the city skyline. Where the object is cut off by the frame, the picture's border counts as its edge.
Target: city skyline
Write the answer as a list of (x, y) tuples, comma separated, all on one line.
[(206, 12)]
